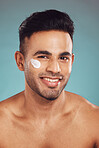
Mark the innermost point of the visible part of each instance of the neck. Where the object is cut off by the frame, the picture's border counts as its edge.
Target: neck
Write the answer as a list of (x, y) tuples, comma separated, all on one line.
[(42, 108)]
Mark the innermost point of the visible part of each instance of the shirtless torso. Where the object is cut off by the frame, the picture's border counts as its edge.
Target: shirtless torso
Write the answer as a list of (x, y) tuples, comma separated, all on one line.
[(76, 128)]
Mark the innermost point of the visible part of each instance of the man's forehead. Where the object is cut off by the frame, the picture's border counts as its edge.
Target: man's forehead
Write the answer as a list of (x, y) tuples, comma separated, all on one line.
[(47, 34), (51, 41)]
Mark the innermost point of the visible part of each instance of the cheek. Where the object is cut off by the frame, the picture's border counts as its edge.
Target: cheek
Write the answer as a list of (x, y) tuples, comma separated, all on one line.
[(34, 67), (70, 67), (67, 68), (35, 63)]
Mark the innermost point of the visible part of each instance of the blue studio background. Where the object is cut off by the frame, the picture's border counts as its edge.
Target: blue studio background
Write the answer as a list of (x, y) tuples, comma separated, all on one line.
[(85, 14)]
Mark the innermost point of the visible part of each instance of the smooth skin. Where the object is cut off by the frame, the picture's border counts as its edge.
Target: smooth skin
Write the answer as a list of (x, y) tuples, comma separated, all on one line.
[(44, 115)]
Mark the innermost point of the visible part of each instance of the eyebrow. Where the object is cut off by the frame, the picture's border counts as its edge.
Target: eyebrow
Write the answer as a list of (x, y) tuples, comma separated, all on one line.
[(48, 53), (42, 52), (65, 53)]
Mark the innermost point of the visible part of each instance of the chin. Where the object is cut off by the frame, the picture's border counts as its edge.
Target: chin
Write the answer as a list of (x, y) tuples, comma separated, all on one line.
[(50, 94)]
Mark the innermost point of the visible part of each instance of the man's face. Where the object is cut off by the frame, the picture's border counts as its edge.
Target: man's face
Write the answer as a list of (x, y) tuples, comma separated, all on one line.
[(53, 49)]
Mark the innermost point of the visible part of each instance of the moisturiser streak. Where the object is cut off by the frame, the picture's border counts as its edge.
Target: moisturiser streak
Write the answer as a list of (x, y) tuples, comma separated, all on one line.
[(35, 63)]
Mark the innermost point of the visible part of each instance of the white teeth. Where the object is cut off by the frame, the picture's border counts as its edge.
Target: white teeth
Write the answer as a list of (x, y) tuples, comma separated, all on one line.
[(51, 80)]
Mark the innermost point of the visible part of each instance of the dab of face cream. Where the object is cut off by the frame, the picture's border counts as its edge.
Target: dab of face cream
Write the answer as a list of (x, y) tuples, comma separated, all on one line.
[(35, 63)]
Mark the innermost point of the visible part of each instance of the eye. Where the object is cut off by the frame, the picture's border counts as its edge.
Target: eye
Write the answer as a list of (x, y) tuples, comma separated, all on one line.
[(42, 57), (64, 59)]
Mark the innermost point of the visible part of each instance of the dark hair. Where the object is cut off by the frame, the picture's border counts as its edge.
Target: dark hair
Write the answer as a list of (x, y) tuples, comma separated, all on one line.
[(45, 21)]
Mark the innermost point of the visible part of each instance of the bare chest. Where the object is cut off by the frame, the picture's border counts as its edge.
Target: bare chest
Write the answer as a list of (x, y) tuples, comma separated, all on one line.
[(57, 136)]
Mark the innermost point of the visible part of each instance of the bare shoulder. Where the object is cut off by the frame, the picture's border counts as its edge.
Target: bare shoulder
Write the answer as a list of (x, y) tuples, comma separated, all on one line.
[(11, 101), (10, 105), (86, 107), (9, 109), (83, 102), (88, 114)]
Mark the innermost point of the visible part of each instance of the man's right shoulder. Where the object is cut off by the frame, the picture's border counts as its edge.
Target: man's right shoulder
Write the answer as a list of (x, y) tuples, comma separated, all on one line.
[(5, 104), (5, 108), (4, 117), (9, 105)]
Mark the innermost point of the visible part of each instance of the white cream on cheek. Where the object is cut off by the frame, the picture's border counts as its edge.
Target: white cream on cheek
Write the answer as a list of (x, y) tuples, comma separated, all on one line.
[(35, 63)]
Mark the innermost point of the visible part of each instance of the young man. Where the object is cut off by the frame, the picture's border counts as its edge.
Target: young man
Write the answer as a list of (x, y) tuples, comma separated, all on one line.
[(44, 115)]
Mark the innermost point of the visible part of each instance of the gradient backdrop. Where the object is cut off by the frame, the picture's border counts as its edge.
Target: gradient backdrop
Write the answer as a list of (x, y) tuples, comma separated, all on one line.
[(85, 14)]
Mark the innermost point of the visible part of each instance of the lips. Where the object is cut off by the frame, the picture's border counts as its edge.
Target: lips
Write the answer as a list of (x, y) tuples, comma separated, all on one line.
[(51, 82)]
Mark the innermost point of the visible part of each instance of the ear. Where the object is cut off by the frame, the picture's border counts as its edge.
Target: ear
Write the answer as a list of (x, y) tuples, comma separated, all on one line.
[(19, 60), (72, 58)]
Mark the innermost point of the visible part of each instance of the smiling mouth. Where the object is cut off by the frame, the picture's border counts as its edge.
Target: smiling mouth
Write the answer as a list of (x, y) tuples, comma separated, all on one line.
[(51, 82)]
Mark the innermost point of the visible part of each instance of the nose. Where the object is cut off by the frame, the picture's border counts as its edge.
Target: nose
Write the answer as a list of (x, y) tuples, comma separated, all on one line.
[(53, 66)]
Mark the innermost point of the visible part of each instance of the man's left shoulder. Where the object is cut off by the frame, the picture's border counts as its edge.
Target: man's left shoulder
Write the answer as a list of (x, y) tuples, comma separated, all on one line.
[(95, 114), (95, 122), (84, 106), (87, 110), (90, 113), (90, 116)]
